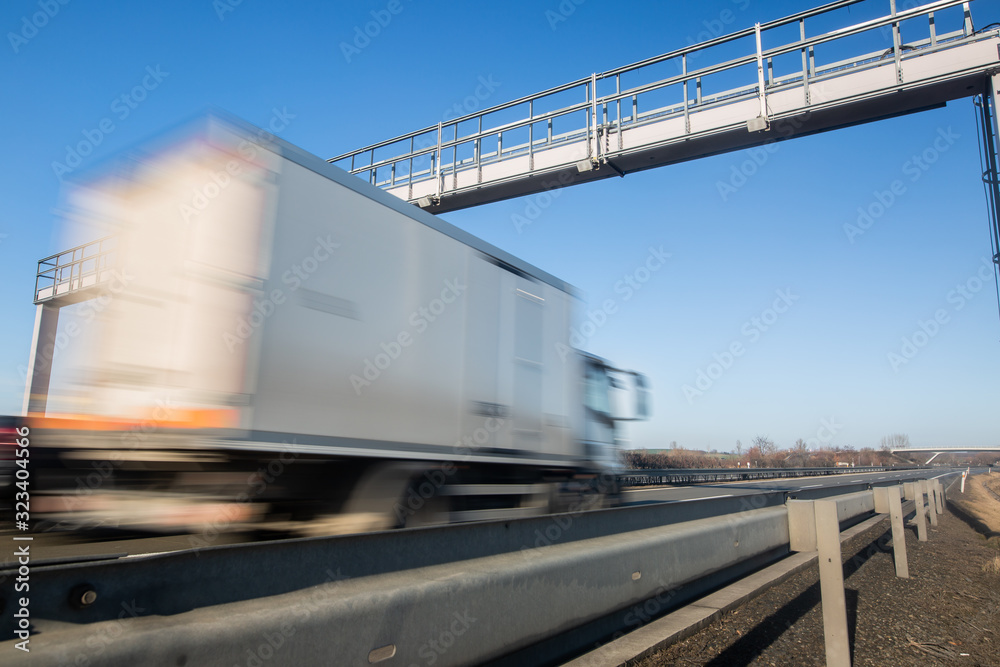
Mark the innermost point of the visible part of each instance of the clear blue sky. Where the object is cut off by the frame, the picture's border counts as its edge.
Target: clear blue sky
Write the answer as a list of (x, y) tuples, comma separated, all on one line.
[(823, 359)]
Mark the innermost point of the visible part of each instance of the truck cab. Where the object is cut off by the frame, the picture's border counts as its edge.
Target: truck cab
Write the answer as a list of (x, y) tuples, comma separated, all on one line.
[(610, 396)]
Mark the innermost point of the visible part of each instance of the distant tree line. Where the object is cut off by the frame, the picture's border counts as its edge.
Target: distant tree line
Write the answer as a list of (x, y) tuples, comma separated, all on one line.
[(763, 453)]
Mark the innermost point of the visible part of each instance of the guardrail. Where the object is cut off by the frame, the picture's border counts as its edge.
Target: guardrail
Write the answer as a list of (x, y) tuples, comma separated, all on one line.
[(452, 595), (662, 476)]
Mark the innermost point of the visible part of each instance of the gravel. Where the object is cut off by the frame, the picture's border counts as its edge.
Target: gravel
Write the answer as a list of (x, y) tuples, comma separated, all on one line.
[(946, 613)]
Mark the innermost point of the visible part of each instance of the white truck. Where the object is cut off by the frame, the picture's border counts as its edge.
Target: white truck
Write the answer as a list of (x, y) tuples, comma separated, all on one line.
[(266, 340)]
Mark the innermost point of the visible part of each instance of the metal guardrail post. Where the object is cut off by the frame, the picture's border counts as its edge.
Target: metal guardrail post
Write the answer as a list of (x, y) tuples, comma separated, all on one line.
[(927, 496), (814, 525), (898, 533), (831, 581), (932, 501), (888, 501), (918, 497)]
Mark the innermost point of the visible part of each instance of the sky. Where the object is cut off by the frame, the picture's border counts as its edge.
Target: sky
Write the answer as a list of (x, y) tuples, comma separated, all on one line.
[(114, 74)]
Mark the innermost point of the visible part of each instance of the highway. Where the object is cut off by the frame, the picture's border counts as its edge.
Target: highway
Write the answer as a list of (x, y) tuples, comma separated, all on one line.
[(396, 589), (803, 487), (68, 546)]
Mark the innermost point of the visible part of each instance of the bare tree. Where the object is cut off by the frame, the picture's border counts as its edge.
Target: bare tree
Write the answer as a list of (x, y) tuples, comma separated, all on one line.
[(800, 446), (764, 444), (739, 448)]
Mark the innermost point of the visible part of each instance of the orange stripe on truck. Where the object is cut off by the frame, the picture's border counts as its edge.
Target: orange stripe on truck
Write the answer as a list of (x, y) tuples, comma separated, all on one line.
[(179, 419)]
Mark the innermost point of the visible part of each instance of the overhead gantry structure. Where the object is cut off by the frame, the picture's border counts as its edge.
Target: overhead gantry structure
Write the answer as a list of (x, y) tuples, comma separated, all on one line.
[(686, 104)]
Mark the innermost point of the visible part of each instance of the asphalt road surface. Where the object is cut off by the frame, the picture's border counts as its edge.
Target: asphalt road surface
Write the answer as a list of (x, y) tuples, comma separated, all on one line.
[(793, 484), (68, 546)]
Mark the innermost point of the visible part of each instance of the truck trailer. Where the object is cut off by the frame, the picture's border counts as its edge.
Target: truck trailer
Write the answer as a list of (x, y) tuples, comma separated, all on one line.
[(259, 339)]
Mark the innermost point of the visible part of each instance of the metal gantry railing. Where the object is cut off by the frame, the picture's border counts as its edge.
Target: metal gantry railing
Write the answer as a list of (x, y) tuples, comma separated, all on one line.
[(544, 120), (75, 269)]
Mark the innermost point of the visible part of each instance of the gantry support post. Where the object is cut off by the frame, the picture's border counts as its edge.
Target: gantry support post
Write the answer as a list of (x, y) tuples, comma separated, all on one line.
[(43, 345)]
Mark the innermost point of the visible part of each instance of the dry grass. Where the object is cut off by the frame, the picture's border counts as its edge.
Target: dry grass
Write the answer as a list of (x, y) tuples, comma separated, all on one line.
[(979, 503), (987, 509)]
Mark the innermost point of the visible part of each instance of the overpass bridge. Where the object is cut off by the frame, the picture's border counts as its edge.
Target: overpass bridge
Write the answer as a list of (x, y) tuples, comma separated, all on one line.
[(772, 82), (937, 451)]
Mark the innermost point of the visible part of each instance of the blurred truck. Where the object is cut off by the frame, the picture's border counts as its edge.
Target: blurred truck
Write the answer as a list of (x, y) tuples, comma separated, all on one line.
[(260, 339)]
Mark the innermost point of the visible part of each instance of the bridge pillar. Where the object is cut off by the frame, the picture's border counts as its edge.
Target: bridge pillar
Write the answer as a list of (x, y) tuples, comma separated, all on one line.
[(43, 346)]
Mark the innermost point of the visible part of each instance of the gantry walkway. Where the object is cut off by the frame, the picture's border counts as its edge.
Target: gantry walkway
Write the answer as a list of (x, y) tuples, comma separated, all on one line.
[(767, 83)]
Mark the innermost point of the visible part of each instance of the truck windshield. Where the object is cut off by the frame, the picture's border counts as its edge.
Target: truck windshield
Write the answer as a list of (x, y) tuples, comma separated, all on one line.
[(596, 395)]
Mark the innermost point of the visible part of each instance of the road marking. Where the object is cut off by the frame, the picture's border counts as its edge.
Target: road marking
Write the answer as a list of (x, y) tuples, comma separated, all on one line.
[(688, 500), (811, 486)]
